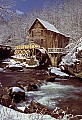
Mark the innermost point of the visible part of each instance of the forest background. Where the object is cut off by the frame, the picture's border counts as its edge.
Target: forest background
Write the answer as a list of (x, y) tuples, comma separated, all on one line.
[(65, 15)]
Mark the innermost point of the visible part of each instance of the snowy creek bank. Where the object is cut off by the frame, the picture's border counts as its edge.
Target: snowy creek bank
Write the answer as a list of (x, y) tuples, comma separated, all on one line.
[(46, 102), (59, 98), (72, 61)]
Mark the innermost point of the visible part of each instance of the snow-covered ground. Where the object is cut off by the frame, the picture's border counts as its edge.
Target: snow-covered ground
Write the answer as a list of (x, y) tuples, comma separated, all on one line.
[(9, 114), (71, 57), (13, 64), (57, 71)]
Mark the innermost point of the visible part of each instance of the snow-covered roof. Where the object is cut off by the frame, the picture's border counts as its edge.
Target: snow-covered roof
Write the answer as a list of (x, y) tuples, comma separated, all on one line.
[(48, 26)]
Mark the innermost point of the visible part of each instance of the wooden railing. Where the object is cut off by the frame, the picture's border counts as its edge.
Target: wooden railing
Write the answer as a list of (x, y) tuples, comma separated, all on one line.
[(56, 50)]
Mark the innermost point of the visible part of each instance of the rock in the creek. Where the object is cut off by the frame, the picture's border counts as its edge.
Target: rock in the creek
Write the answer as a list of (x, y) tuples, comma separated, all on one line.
[(16, 93), (42, 109), (51, 79), (37, 107), (6, 100), (33, 87), (1, 69)]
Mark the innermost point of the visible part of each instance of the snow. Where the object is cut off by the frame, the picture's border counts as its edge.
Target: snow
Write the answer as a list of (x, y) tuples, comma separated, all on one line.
[(19, 65), (21, 108), (10, 114), (48, 26), (1, 69), (19, 56), (69, 47), (9, 61), (17, 89), (1, 107), (57, 71), (71, 57), (79, 48), (42, 50), (15, 65), (30, 66), (12, 61)]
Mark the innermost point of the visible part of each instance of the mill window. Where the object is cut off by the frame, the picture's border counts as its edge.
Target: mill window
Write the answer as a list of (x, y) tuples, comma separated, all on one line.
[(32, 33), (41, 32), (41, 42)]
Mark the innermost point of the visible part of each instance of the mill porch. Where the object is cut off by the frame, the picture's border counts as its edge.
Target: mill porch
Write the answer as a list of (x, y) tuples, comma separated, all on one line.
[(56, 54)]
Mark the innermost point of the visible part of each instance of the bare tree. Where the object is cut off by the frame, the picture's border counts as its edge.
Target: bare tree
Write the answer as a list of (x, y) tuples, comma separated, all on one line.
[(5, 6), (66, 16)]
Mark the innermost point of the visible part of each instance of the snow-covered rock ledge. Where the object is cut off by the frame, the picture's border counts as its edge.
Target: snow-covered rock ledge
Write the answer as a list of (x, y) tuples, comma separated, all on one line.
[(72, 62), (57, 72)]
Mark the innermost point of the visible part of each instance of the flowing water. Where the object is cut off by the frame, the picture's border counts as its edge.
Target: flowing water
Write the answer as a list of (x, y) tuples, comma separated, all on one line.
[(63, 93), (60, 94)]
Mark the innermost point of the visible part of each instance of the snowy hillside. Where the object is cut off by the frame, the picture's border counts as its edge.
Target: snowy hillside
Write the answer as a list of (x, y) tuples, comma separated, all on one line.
[(73, 60)]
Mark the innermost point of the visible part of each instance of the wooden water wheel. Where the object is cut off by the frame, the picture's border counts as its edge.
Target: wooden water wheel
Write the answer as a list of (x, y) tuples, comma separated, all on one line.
[(42, 56)]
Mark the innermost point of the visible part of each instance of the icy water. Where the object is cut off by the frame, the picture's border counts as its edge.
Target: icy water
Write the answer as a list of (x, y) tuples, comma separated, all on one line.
[(62, 93), (65, 94)]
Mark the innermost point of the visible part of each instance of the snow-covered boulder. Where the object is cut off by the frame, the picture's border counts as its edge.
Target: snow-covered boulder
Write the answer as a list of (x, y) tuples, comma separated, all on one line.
[(57, 72), (1, 69), (72, 62), (16, 93), (6, 100)]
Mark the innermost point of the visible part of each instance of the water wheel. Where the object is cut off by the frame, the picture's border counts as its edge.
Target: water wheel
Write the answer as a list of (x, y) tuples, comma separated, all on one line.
[(42, 56)]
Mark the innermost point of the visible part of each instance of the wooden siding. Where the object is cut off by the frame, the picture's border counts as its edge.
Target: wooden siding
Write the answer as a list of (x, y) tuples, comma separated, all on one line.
[(46, 38), (38, 34)]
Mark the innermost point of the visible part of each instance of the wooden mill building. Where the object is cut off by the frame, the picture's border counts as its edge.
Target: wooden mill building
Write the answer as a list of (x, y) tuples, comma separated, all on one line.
[(47, 36)]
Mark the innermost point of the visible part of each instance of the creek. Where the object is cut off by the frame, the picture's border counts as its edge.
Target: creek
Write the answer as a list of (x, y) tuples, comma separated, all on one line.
[(63, 93)]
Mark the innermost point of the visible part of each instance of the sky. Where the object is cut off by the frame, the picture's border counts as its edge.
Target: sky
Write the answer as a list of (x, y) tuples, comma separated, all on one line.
[(24, 6)]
